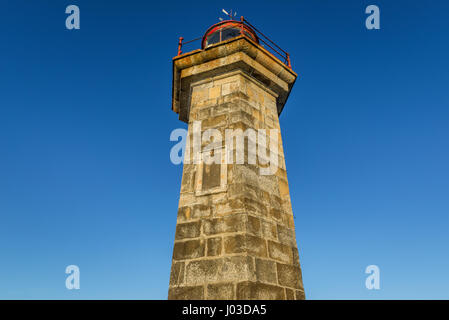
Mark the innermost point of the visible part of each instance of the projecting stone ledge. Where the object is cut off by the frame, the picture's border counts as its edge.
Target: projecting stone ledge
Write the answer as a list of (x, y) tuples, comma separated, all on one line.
[(240, 53)]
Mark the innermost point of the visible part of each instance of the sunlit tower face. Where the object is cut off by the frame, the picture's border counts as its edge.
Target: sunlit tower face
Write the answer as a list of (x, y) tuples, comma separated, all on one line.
[(235, 233)]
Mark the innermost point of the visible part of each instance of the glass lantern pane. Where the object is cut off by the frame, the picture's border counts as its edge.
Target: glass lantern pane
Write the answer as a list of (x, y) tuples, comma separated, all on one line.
[(213, 38), (228, 33)]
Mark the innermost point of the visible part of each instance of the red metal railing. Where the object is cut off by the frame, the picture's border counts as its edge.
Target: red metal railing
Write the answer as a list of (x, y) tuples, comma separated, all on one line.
[(275, 49)]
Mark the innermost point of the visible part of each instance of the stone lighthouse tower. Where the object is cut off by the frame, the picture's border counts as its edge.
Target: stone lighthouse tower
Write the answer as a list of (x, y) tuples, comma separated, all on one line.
[(235, 236)]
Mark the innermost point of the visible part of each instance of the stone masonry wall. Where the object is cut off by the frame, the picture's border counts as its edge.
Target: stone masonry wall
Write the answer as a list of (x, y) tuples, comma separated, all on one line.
[(236, 241)]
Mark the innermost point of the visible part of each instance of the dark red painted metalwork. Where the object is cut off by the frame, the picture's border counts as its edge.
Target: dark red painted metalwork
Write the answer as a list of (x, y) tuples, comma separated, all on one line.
[(247, 30), (229, 24), (289, 64), (180, 46), (285, 54)]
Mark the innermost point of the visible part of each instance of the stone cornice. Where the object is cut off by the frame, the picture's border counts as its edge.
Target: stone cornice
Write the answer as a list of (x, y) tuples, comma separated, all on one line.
[(240, 53)]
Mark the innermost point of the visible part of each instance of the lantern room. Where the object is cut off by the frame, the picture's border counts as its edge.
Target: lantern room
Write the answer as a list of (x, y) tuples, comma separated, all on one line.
[(230, 29), (225, 30)]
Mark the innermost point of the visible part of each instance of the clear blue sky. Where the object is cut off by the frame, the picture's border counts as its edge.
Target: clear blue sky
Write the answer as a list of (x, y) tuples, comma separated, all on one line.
[(85, 120)]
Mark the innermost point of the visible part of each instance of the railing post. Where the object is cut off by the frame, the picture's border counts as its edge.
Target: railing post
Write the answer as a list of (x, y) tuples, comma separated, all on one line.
[(180, 46), (288, 61)]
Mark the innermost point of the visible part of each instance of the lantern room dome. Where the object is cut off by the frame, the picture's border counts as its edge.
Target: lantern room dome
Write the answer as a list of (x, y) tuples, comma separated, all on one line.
[(225, 30)]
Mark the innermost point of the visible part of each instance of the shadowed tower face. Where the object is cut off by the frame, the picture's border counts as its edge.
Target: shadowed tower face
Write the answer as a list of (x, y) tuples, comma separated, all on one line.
[(235, 236)]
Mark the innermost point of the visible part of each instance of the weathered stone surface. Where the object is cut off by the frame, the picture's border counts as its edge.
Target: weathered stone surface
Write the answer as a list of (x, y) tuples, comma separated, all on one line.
[(245, 243), (235, 244), (269, 229), (189, 249), (214, 246), (195, 211), (280, 252), (255, 207), (234, 223), (254, 225), (256, 246), (300, 295), (295, 257), (186, 293), (199, 94), (249, 290), (289, 276), (204, 271), (184, 213), (289, 222), (177, 274), (187, 230), (200, 210), (214, 122), (266, 271), (211, 176), (188, 178), (231, 269), (289, 294), (286, 235), (283, 188), (214, 92), (275, 213), (220, 291)]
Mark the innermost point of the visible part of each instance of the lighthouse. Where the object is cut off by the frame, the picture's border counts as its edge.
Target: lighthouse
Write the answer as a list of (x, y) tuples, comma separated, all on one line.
[(235, 233)]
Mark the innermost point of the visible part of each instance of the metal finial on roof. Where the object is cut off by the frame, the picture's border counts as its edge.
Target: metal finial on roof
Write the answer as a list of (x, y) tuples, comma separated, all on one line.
[(231, 15)]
